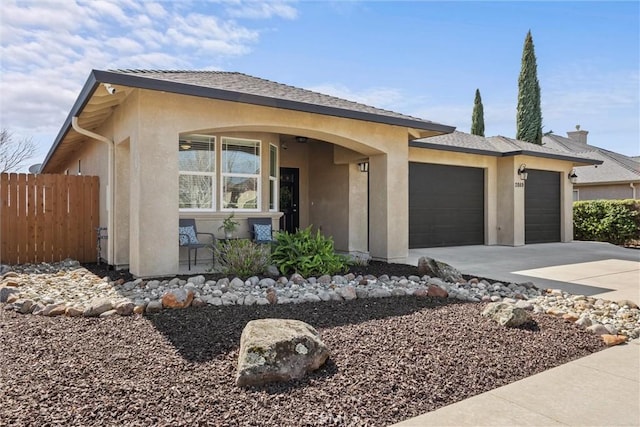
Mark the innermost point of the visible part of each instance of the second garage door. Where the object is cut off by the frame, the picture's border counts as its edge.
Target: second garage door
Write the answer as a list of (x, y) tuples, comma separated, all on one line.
[(446, 205), (542, 207)]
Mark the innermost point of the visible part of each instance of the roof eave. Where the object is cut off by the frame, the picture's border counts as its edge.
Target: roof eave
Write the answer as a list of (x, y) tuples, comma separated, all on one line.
[(468, 150), (455, 149), (85, 94), (98, 76), (265, 101), (596, 183), (579, 161)]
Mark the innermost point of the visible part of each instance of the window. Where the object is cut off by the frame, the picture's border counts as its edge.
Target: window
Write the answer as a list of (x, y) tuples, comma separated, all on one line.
[(273, 178), (240, 167), (197, 176)]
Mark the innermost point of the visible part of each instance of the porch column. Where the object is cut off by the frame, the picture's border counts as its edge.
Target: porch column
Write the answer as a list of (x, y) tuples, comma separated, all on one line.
[(389, 203), (566, 206), (510, 215), (153, 248)]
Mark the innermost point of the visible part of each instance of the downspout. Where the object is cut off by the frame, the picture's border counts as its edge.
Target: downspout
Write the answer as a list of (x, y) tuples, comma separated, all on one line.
[(633, 189), (110, 186)]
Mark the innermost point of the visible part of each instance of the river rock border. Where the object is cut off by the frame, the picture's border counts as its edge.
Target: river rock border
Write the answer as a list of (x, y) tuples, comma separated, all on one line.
[(66, 288)]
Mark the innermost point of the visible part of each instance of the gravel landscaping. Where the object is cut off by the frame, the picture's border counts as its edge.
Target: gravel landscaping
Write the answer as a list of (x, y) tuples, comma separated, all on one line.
[(391, 359)]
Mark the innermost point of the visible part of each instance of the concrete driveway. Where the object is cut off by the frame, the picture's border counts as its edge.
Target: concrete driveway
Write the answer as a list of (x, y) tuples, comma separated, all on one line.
[(581, 268)]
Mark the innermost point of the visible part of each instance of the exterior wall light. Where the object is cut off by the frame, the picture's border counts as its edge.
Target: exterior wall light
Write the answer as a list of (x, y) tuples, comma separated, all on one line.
[(363, 166), (301, 139), (522, 172), (573, 177)]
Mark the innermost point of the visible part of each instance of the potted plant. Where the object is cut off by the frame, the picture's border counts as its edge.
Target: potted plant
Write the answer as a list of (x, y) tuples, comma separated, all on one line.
[(229, 226)]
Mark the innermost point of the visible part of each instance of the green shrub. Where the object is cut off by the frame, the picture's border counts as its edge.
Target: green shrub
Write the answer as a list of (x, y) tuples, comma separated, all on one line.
[(307, 254), (613, 221), (242, 257)]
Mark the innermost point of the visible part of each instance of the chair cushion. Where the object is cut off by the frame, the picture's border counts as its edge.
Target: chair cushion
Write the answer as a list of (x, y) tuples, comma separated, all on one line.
[(187, 236), (262, 232)]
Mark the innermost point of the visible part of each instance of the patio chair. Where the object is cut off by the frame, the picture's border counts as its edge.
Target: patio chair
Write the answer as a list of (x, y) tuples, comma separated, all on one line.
[(260, 230), (188, 238)]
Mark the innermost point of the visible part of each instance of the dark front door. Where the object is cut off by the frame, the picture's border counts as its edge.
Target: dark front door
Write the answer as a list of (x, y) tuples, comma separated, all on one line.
[(446, 205), (542, 207), (289, 199)]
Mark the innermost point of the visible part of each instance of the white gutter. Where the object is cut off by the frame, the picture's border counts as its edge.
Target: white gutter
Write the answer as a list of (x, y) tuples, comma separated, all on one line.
[(110, 186), (633, 188)]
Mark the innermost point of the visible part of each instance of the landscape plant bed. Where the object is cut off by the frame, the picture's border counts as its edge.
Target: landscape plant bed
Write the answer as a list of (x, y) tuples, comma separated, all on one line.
[(374, 268), (391, 359)]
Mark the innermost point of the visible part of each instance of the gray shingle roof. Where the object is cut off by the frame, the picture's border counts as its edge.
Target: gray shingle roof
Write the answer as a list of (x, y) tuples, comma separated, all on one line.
[(246, 84), (499, 146), (615, 167)]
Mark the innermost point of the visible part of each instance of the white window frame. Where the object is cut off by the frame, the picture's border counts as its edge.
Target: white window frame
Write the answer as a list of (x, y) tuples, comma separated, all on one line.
[(212, 174), (273, 180), (227, 140)]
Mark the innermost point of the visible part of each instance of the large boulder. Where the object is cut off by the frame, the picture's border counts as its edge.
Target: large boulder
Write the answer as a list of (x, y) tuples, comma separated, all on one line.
[(278, 350), (432, 268), (177, 298), (506, 314)]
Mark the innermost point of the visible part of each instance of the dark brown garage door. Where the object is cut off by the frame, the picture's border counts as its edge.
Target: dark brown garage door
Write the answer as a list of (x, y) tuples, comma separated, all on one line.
[(542, 207), (446, 205)]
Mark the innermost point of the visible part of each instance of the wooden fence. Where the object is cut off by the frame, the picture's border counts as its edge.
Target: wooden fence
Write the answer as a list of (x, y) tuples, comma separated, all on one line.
[(47, 218)]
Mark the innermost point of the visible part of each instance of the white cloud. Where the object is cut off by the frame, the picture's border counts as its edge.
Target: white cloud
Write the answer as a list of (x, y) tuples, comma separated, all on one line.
[(48, 48), (262, 9), (155, 10)]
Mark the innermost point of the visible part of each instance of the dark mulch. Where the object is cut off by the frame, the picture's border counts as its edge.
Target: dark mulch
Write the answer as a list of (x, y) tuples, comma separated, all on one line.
[(391, 359)]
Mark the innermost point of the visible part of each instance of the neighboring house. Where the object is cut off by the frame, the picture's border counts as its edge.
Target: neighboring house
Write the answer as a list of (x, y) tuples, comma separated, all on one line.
[(618, 177), (173, 144)]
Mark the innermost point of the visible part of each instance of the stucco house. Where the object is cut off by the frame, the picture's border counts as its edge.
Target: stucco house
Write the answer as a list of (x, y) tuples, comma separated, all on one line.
[(183, 144), (616, 177)]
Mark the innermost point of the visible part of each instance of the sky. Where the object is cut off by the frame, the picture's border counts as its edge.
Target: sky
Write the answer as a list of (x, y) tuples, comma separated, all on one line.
[(420, 58)]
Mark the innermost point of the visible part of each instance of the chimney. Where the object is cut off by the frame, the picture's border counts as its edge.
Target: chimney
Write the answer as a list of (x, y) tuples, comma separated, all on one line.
[(578, 135)]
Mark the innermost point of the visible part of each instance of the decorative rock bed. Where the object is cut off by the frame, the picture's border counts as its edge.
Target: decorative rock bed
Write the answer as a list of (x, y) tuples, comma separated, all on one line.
[(68, 289)]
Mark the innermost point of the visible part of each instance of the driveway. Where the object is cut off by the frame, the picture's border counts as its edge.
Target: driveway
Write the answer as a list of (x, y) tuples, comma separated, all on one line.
[(581, 268)]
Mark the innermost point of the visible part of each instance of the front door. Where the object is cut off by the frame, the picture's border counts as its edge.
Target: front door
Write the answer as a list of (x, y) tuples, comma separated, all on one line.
[(289, 199)]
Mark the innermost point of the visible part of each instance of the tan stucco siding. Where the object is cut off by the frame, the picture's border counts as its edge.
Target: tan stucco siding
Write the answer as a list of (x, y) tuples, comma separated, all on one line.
[(121, 206), (358, 209), (389, 203), (146, 129), (329, 195), (607, 192), (510, 199)]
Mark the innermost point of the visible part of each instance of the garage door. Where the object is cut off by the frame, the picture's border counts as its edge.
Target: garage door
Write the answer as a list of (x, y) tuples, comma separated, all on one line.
[(446, 205), (542, 207)]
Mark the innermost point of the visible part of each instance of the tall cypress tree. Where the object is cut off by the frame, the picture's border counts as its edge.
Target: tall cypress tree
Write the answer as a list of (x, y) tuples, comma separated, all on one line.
[(477, 117), (529, 114)]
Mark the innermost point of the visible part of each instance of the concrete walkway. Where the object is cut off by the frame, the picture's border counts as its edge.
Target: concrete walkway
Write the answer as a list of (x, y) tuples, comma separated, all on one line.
[(602, 389)]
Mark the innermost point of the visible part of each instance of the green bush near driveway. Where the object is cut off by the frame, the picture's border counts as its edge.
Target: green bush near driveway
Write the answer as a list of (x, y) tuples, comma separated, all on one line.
[(613, 221)]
